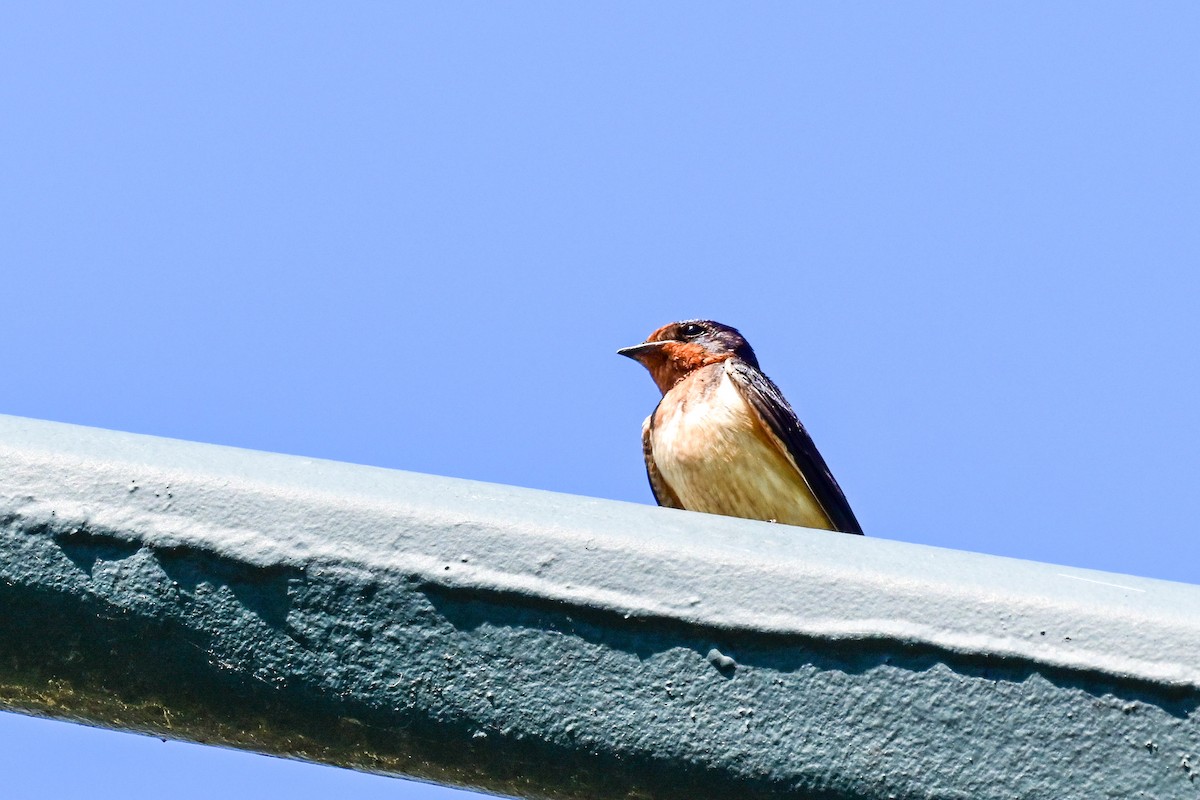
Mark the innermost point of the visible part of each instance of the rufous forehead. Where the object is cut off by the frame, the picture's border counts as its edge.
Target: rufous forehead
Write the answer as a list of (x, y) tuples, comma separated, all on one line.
[(664, 334)]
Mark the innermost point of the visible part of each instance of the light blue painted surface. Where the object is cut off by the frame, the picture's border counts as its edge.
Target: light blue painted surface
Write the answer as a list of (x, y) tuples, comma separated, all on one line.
[(549, 645)]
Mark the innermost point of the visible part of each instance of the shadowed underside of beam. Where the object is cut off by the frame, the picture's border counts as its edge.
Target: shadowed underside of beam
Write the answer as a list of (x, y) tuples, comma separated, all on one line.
[(543, 645)]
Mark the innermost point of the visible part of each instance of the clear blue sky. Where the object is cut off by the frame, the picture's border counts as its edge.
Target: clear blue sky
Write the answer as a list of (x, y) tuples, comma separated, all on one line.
[(963, 238)]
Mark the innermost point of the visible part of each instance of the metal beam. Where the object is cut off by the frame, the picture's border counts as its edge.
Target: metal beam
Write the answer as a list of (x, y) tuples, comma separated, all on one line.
[(544, 645)]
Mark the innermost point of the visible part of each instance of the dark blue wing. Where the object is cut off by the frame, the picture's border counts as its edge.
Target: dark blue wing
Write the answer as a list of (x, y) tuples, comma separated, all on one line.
[(777, 416)]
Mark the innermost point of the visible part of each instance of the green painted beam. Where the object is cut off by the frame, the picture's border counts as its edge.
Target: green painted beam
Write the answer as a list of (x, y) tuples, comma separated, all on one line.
[(543, 645)]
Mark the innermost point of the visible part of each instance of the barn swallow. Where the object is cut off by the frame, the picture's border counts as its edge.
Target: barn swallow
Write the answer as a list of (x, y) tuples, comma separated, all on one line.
[(723, 439)]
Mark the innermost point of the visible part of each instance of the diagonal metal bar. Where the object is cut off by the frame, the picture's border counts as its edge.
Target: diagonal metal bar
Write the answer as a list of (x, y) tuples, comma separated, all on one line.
[(543, 645)]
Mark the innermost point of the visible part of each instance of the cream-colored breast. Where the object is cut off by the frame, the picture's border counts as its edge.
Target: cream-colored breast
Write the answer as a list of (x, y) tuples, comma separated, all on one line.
[(711, 450)]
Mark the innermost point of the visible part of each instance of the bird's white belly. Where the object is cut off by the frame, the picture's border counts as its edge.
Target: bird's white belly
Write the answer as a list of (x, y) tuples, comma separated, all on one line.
[(714, 455)]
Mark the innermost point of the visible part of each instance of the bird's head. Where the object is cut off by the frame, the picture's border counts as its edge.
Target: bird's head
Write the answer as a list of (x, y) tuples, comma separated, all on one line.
[(673, 351)]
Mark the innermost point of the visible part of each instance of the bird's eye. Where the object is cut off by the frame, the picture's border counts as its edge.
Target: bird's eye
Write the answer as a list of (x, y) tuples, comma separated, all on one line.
[(691, 330)]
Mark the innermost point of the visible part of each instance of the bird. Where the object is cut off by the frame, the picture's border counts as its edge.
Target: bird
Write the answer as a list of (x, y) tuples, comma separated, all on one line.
[(724, 440)]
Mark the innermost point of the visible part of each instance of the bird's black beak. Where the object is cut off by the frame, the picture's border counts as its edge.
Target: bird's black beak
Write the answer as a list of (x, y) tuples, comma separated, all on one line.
[(639, 352)]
